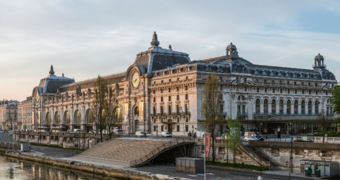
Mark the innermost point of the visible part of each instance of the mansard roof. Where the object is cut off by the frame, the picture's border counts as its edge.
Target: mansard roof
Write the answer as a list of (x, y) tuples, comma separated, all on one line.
[(157, 58), (51, 83), (237, 64), (89, 83)]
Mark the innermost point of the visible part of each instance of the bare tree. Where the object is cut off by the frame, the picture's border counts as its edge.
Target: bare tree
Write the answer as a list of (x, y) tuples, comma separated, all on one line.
[(110, 107), (324, 122), (211, 109), (99, 102)]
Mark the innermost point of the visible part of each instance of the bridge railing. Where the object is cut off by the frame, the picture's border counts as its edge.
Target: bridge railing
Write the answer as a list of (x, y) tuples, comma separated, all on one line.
[(159, 149)]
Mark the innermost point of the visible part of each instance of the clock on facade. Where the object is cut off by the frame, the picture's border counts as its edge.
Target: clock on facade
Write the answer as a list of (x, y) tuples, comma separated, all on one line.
[(135, 80)]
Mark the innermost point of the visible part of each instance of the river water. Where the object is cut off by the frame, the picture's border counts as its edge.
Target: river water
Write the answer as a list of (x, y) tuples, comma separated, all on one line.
[(11, 168)]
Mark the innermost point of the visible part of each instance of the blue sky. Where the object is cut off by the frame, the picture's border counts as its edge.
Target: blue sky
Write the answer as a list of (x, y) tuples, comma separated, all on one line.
[(85, 38)]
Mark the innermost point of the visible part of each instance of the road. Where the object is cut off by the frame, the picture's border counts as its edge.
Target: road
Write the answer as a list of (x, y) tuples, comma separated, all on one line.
[(216, 173)]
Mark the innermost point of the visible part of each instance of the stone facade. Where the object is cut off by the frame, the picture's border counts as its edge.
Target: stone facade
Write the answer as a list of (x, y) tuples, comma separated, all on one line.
[(162, 91), (25, 114), (8, 115)]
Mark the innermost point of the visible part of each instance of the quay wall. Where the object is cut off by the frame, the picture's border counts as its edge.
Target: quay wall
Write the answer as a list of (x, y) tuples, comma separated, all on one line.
[(91, 168)]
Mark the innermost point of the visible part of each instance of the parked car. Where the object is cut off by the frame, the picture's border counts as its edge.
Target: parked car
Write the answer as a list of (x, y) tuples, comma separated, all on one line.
[(77, 131), (140, 134), (70, 131), (166, 134), (118, 131), (254, 134), (302, 139), (250, 138)]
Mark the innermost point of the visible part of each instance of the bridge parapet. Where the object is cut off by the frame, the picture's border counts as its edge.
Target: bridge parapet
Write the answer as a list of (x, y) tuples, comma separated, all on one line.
[(296, 145)]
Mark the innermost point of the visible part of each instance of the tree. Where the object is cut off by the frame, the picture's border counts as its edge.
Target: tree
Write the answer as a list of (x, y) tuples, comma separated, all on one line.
[(99, 103), (211, 109), (335, 100), (233, 136), (110, 107), (324, 121)]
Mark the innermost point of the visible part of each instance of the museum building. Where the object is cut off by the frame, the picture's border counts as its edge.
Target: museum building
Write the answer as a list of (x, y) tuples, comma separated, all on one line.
[(162, 91)]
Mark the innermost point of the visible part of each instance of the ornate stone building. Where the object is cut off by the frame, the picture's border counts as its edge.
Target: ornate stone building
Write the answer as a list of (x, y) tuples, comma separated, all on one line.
[(8, 115), (162, 91), (25, 114)]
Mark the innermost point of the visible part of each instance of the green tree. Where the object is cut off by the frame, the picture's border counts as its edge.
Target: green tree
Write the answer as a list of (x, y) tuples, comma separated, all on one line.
[(99, 103), (211, 109), (110, 107), (233, 142), (335, 100)]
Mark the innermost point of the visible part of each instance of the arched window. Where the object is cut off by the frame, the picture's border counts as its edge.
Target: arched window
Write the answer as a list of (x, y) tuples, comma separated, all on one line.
[(273, 106), (296, 106), (118, 116), (67, 118), (89, 116), (316, 107), (257, 106), (265, 106), (310, 107), (303, 107), (281, 106), (48, 119), (136, 111), (57, 118), (288, 107), (77, 117)]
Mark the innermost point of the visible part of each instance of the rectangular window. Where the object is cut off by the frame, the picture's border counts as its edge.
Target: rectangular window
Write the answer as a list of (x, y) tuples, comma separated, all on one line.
[(186, 96), (186, 128), (154, 128), (257, 89), (169, 89), (177, 79), (257, 80), (288, 82), (310, 92), (169, 80), (265, 81), (186, 88), (280, 90), (169, 109), (177, 128), (154, 110), (177, 109), (303, 91), (280, 82), (161, 99), (186, 108), (177, 88), (162, 110), (316, 92), (288, 91), (162, 127), (154, 99), (265, 89), (294, 82), (273, 90), (154, 92), (177, 97), (272, 81), (169, 98), (161, 90), (316, 84)]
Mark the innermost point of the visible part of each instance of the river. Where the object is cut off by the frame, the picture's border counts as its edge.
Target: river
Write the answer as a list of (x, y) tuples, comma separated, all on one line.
[(11, 168)]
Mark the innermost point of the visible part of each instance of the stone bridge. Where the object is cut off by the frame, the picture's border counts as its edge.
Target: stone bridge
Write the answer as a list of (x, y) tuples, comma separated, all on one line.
[(132, 152)]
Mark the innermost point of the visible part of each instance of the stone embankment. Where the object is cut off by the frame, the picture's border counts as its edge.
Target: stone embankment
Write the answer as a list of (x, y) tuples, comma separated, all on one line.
[(96, 169)]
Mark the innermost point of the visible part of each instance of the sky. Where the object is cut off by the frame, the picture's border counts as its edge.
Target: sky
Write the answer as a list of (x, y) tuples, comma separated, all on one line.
[(84, 39)]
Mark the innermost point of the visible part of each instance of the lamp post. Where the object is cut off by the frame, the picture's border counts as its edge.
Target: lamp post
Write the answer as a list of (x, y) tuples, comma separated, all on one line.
[(182, 121), (291, 154)]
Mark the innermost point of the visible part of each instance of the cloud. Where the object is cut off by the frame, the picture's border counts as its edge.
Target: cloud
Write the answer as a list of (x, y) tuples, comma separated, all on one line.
[(85, 38)]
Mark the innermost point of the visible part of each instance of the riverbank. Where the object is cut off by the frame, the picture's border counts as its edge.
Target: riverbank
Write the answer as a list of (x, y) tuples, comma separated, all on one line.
[(84, 167)]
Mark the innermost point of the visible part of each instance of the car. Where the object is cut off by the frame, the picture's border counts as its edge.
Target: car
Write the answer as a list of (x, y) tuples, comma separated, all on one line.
[(302, 139), (77, 131), (140, 134), (250, 138), (70, 131), (118, 131), (166, 134)]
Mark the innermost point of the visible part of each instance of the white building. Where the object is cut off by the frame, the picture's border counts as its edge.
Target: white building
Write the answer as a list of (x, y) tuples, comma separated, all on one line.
[(162, 91)]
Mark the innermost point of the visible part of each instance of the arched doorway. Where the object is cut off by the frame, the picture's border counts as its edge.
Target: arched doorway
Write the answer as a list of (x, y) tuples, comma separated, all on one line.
[(48, 119), (77, 119), (67, 119), (89, 120)]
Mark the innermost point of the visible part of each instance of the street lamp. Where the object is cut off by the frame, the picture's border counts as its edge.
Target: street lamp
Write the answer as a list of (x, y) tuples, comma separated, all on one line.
[(182, 121), (291, 154)]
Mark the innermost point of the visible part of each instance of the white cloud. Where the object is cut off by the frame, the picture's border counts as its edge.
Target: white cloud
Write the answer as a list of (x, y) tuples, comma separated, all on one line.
[(85, 38)]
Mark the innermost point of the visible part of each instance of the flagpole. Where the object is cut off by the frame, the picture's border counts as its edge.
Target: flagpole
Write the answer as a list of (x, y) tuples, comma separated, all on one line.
[(205, 176)]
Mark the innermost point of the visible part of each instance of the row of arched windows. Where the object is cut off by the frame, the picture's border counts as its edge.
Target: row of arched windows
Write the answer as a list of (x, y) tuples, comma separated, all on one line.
[(77, 117), (288, 107)]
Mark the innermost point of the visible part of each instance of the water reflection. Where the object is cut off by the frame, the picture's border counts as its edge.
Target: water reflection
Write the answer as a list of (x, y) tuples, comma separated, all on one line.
[(11, 168)]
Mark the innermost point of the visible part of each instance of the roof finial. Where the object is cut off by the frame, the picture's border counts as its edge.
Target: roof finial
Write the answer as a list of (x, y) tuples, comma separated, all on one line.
[(51, 70), (170, 48), (154, 41)]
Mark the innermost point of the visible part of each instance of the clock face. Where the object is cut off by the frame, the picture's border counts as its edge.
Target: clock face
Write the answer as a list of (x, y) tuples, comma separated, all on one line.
[(135, 80)]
